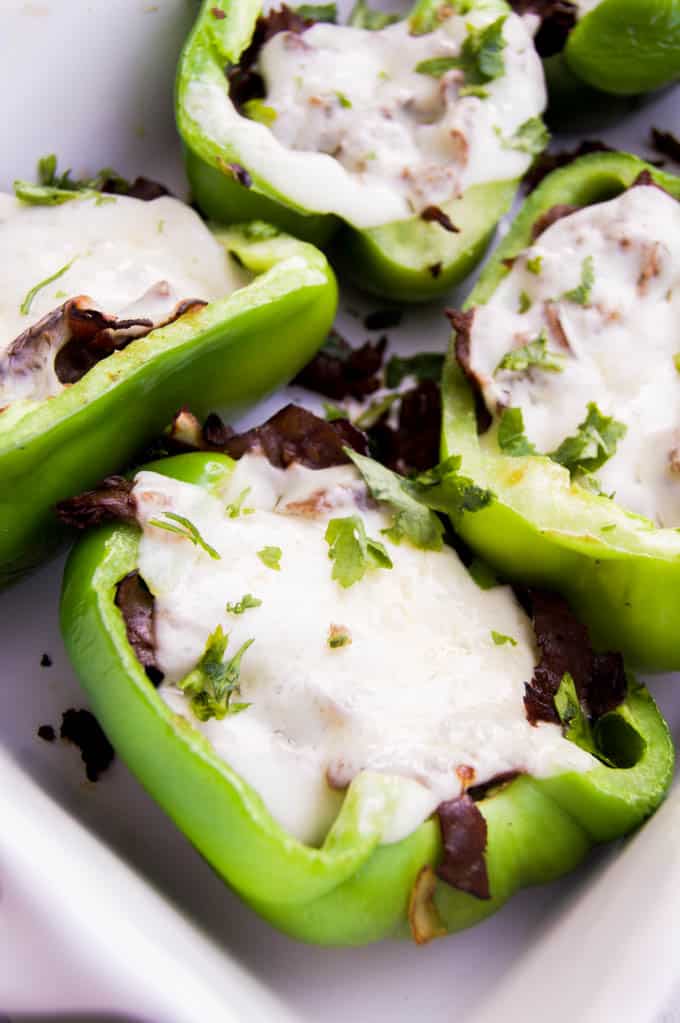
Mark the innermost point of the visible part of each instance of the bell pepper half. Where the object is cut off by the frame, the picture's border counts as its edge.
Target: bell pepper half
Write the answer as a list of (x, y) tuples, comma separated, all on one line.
[(542, 528), (351, 889), (620, 47), (228, 353), (409, 260)]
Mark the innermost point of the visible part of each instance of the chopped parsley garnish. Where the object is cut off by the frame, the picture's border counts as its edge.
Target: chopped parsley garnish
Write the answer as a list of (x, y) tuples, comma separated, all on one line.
[(375, 411), (271, 557), (428, 16), (257, 110), (483, 574), (54, 189), (474, 90), (500, 640), (25, 306), (581, 293), (676, 361), (534, 265), (415, 501), (524, 304), (512, 439), (318, 12), (592, 445), (534, 354), (343, 100), (238, 607), (185, 527), (338, 636), (608, 528), (423, 366), (236, 508), (213, 681), (332, 412), (363, 16), (531, 137), (352, 551), (575, 723), (480, 58)]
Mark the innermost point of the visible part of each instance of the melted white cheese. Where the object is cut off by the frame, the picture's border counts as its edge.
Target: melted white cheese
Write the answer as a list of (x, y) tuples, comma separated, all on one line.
[(360, 133), (622, 343), (119, 249), (421, 690)]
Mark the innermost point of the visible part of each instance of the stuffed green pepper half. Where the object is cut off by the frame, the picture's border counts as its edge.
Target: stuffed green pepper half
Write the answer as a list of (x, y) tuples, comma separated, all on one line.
[(113, 312), (621, 47), (360, 739), (562, 395), (402, 141)]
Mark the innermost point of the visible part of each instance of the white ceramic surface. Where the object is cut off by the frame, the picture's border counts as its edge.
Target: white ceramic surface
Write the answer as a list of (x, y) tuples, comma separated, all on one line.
[(104, 907)]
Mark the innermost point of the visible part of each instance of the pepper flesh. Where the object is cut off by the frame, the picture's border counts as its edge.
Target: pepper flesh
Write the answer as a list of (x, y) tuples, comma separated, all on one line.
[(352, 889), (227, 354), (407, 260), (542, 528)]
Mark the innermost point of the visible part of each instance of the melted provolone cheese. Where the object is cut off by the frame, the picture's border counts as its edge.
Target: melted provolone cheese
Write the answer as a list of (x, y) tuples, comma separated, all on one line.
[(360, 133), (617, 350), (421, 690), (119, 249)]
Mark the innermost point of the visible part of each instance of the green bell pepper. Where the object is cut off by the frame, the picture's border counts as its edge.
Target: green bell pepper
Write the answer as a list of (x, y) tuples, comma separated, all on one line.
[(351, 889), (408, 260), (620, 573), (226, 354), (620, 47)]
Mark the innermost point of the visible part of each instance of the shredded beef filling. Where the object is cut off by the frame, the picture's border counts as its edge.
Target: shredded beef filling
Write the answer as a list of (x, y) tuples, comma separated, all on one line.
[(111, 501), (383, 319), (136, 604), (413, 444), (245, 83), (82, 729), (462, 325), (558, 17), (600, 679), (292, 435), (557, 212), (339, 371), (436, 215), (463, 829)]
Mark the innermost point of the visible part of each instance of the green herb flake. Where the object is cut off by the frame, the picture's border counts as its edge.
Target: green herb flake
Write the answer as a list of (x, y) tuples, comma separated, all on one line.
[(608, 528), (474, 90), (480, 58), (512, 439), (375, 411), (238, 607), (184, 527), (318, 12), (271, 557), (343, 100), (534, 265), (160, 226), (257, 110), (581, 293), (363, 16), (428, 15), (339, 636), (535, 354), (592, 445), (54, 189), (531, 137), (423, 366), (415, 500), (352, 551), (25, 306), (332, 412), (236, 508), (483, 574), (676, 361), (524, 304), (501, 640), (214, 681)]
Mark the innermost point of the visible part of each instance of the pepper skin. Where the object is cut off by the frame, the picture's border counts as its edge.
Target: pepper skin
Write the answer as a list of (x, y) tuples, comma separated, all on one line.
[(351, 890), (541, 528), (408, 260), (227, 354)]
